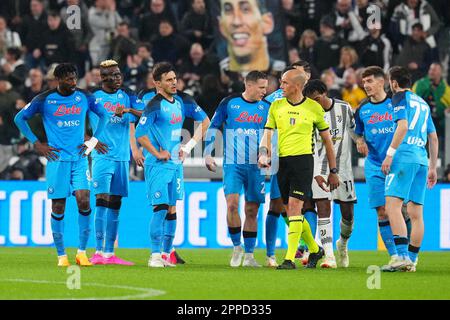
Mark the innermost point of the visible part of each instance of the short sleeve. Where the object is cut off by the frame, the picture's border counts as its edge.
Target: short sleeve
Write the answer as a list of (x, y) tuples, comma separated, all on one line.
[(191, 108), (271, 123), (399, 105), (32, 108), (320, 122)]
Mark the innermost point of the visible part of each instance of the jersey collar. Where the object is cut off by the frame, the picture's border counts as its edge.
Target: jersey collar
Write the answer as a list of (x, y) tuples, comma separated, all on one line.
[(296, 104)]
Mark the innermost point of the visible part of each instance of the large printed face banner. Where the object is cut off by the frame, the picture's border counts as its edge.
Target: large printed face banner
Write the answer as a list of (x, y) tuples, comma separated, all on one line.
[(249, 34)]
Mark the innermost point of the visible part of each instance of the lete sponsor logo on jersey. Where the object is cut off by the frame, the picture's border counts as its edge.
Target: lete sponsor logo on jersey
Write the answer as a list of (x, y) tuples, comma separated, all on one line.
[(63, 110), (377, 117), (245, 117)]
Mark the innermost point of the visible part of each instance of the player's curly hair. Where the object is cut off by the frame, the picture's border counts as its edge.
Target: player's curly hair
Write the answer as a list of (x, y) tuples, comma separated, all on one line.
[(401, 75), (63, 69), (108, 64), (314, 86)]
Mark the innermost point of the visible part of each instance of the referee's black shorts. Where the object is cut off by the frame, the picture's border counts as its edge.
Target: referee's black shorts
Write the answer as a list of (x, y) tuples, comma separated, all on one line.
[(295, 174)]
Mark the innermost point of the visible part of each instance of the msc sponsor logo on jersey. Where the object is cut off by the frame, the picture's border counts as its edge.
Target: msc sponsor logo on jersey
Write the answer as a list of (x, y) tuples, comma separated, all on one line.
[(377, 117), (249, 132), (115, 119), (383, 130), (63, 110), (68, 123), (245, 117), (416, 141)]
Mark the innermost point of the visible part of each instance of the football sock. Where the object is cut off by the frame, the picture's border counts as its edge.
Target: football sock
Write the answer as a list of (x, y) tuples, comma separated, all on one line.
[(84, 225), (249, 241), (413, 252), (156, 226), (57, 224), (235, 235), (386, 235), (307, 236), (271, 232), (295, 231), (285, 218), (325, 230), (112, 227), (401, 244), (101, 206), (170, 226), (311, 217), (346, 230)]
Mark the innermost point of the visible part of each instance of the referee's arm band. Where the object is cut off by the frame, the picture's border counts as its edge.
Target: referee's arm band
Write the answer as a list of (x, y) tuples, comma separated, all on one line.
[(268, 128), (324, 129)]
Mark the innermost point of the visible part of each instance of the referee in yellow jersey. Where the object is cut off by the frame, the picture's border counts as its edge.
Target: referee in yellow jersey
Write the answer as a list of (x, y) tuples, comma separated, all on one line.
[(296, 118)]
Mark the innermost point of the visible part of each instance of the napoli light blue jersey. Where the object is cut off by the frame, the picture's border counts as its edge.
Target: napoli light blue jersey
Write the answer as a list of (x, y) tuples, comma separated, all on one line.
[(162, 122), (278, 94), (117, 132), (146, 95), (64, 120), (375, 122), (243, 125), (412, 108)]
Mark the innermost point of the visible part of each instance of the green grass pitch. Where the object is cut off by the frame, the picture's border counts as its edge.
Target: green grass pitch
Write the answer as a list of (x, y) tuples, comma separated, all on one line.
[(31, 273)]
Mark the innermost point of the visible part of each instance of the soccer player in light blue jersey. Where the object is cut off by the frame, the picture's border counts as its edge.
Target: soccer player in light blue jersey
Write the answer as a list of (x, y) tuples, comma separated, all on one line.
[(243, 117), (406, 167), (276, 207), (64, 112), (110, 172), (159, 132), (169, 230), (375, 126)]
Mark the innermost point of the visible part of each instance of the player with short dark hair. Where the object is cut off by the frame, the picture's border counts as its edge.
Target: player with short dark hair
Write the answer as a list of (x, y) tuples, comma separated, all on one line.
[(159, 132), (339, 115), (406, 167), (110, 172), (242, 117), (64, 110)]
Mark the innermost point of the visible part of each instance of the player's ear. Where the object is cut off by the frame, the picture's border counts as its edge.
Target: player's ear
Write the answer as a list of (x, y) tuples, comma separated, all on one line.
[(268, 23), (222, 28)]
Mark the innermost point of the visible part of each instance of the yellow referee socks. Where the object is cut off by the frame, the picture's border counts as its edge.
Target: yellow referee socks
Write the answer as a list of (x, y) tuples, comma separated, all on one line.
[(295, 231), (308, 238)]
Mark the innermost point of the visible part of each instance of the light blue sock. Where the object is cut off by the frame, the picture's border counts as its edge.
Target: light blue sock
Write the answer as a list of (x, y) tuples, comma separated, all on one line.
[(170, 226), (271, 232), (100, 226), (84, 224), (156, 227), (112, 227), (235, 235), (57, 224), (386, 235), (401, 244), (249, 241), (311, 217)]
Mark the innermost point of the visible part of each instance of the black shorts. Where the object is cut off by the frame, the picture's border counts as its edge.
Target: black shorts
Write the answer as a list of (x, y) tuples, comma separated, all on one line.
[(295, 174)]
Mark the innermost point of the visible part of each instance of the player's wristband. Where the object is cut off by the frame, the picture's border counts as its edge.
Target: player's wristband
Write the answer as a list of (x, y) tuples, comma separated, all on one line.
[(187, 148), (391, 151), (90, 144)]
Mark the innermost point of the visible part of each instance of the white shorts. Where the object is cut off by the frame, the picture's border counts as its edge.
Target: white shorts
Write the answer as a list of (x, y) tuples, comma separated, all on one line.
[(344, 193)]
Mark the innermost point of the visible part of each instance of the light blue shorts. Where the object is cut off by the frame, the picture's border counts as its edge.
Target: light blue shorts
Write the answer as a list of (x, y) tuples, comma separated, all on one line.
[(375, 179), (247, 176), (274, 189), (66, 177), (164, 185), (407, 181), (110, 177)]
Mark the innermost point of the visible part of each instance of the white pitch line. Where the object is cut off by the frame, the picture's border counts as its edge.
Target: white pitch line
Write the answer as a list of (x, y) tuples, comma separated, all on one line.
[(146, 292)]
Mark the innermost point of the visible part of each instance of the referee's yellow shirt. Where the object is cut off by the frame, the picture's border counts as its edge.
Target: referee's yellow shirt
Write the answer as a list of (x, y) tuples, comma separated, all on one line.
[(296, 124)]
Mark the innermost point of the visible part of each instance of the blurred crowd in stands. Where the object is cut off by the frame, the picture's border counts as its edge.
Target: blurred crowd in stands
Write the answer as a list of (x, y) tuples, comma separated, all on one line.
[(332, 35)]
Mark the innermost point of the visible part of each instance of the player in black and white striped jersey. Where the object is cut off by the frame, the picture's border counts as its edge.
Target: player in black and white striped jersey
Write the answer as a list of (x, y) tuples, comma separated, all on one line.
[(339, 116)]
